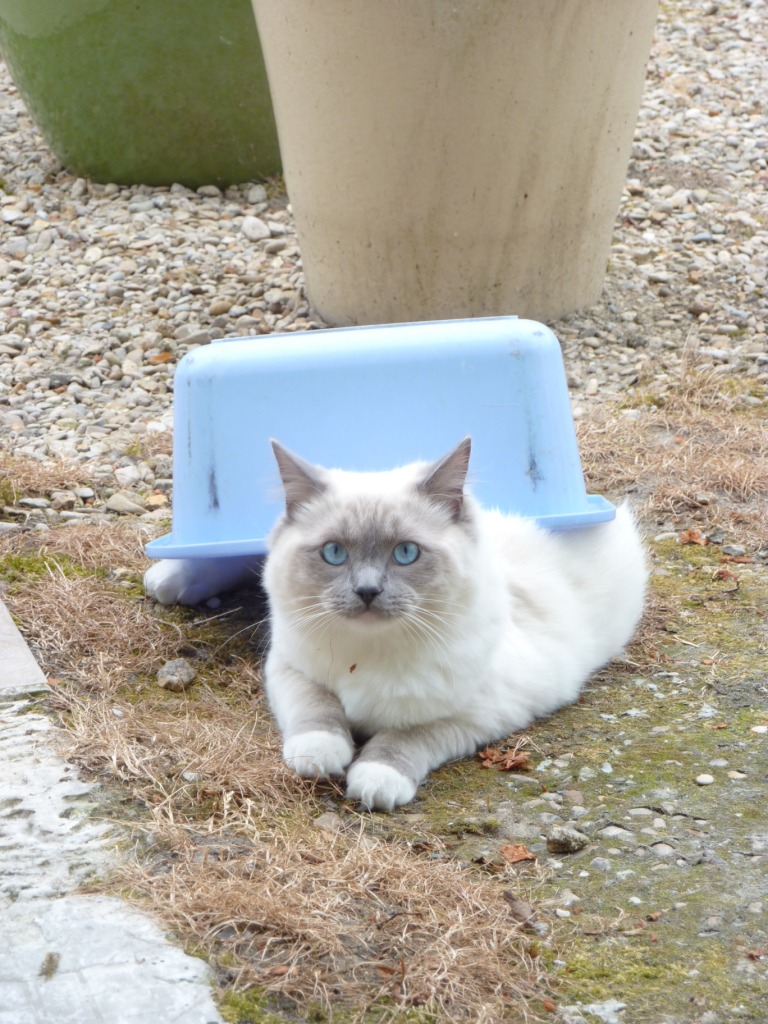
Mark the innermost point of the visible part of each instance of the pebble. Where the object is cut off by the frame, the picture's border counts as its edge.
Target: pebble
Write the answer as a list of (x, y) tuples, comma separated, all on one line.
[(104, 288), (734, 550), (125, 504), (704, 779), (177, 675), (562, 839), (329, 822), (255, 229)]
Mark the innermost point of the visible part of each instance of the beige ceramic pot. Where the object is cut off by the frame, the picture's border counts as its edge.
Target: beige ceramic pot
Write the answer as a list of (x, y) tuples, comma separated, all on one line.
[(452, 159)]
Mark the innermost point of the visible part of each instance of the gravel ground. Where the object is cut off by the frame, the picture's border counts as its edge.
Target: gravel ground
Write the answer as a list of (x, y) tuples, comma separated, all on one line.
[(103, 288)]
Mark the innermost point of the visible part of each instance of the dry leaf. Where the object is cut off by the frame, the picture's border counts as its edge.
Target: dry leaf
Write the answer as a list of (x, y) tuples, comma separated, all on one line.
[(725, 574), (515, 853), (693, 537), (549, 1006), (505, 760)]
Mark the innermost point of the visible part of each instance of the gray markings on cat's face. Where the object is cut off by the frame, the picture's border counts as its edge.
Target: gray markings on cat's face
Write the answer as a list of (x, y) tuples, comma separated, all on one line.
[(370, 588), (369, 580), (374, 557)]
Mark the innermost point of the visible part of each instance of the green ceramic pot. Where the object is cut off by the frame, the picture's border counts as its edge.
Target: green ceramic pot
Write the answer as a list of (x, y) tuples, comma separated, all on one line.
[(145, 91)]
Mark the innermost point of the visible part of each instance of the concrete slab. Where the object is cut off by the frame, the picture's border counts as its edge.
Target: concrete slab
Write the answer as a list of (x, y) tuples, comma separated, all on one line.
[(94, 960), (19, 672), (65, 957)]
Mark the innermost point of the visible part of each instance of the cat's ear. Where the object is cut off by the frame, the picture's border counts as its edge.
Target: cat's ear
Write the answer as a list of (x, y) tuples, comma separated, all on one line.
[(301, 480), (445, 478)]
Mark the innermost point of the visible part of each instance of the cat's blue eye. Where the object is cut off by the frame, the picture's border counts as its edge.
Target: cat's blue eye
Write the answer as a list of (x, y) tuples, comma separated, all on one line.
[(334, 554), (406, 553)]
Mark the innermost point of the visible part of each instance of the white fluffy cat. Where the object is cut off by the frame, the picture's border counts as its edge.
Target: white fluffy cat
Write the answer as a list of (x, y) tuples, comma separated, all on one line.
[(406, 617)]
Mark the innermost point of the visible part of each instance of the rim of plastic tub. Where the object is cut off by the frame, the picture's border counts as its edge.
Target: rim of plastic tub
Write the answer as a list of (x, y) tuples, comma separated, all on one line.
[(600, 511)]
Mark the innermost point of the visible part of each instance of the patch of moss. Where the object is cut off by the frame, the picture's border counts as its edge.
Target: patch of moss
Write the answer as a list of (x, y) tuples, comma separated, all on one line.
[(251, 1006), (8, 493), (28, 566)]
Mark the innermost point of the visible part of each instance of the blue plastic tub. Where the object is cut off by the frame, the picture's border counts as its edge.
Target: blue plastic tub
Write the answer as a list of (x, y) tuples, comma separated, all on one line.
[(371, 398)]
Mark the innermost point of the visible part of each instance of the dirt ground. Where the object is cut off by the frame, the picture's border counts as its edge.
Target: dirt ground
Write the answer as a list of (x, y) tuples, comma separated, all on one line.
[(613, 869)]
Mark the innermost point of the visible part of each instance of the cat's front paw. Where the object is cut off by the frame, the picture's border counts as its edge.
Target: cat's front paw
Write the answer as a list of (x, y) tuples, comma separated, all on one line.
[(318, 754), (378, 786)]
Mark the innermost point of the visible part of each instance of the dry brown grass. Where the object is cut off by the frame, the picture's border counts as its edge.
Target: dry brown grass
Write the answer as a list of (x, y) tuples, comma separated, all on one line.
[(340, 919), (349, 921), (699, 458), (335, 919), (21, 476), (95, 547)]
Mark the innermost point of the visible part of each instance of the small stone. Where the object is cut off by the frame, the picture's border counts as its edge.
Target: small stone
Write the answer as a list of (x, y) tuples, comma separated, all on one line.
[(734, 550), (177, 675), (126, 476), (275, 245), (607, 1012), (704, 779), (616, 832), (329, 822), (519, 909), (707, 711), (256, 194), (198, 338), (219, 307), (563, 839), (663, 849), (573, 796), (255, 229), (156, 501), (63, 500), (124, 504), (601, 864)]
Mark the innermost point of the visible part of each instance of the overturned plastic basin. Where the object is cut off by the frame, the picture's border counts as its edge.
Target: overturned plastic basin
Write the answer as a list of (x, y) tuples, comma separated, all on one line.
[(371, 398)]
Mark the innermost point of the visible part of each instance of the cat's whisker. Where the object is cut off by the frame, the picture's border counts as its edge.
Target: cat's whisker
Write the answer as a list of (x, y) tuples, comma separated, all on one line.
[(433, 638), (315, 619)]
